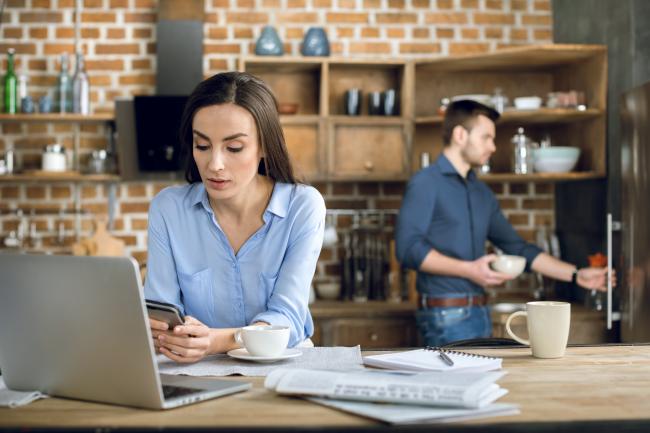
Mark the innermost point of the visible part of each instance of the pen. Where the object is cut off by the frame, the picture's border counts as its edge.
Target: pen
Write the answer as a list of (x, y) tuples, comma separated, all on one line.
[(445, 358)]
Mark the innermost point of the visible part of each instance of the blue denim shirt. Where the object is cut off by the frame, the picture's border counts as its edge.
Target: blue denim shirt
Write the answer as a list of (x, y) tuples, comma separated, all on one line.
[(454, 216), (191, 264)]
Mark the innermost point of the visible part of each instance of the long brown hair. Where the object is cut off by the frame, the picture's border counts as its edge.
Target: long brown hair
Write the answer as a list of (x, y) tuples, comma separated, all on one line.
[(255, 96)]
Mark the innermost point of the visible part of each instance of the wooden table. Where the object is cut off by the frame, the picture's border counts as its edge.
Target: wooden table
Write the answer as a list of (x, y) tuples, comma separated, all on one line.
[(597, 388)]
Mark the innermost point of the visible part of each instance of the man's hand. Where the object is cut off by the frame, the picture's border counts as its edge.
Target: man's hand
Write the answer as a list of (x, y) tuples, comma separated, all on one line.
[(595, 278), (482, 274)]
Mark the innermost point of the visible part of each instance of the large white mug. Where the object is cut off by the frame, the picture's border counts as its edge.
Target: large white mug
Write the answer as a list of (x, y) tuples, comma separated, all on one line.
[(548, 327), (263, 340)]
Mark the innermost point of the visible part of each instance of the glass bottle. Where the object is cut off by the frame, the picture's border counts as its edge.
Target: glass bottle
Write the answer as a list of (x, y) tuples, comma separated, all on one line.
[(80, 87), (10, 85), (522, 153), (63, 102)]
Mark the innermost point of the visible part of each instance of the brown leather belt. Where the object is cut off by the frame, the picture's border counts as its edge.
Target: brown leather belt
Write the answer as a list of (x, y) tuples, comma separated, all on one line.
[(465, 301)]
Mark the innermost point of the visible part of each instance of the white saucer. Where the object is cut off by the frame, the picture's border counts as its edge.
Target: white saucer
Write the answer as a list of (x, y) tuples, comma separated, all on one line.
[(243, 354)]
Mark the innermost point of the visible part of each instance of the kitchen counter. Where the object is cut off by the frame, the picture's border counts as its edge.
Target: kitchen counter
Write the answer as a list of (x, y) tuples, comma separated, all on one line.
[(591, 389)]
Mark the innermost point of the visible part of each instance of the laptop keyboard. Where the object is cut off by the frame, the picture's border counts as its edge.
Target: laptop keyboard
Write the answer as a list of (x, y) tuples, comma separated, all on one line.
[(170, 391)]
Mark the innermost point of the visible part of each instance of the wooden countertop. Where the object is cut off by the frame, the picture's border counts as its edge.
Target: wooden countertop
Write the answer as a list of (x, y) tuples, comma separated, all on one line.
[(598, 388)]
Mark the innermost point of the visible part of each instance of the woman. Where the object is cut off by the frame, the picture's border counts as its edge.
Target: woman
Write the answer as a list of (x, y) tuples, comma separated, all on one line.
[(239, 244)]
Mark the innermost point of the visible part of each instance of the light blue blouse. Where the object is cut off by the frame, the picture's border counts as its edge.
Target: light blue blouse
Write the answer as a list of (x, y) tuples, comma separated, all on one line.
[(191, 264)]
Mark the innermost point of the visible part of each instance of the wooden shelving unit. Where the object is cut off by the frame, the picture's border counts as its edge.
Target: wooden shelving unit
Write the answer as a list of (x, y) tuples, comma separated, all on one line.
[(57, 117), (60, 178), (329, 145)]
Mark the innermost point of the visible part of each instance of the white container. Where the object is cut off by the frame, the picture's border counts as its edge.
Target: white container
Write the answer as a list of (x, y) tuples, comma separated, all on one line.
[(54, 158), (528, 102)]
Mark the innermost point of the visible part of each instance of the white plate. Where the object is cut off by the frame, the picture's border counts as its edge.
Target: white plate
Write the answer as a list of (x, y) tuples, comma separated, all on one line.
[(243, 354)]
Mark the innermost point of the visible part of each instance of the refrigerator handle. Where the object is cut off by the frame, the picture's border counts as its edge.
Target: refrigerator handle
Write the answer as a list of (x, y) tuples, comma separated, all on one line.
[(611, 226)]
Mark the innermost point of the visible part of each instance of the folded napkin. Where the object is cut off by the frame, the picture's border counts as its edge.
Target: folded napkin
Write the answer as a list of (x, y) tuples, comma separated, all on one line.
[(11, 398)]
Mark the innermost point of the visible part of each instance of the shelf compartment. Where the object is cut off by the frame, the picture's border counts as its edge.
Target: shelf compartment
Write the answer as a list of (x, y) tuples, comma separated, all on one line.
[(302, 144), (291, 80)]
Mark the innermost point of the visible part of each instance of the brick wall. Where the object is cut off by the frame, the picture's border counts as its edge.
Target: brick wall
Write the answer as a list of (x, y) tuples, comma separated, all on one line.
[(118, 39)]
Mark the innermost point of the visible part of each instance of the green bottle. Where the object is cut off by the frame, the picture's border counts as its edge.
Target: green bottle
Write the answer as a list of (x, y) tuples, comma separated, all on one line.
[(10, 85)]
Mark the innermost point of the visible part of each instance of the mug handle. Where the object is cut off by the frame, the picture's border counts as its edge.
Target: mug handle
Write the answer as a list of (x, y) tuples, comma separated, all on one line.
[(512, 334)]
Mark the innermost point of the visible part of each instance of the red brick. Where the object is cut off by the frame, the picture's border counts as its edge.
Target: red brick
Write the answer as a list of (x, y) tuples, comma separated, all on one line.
[(536, 20), (494, 4), (467, 48), (38, 33), (543, 203), (518, 34), (493, 18), (542, 5), (543, 219), (139, 224), (137, 190), (9, 192), (446, 18), (89, 4), (40, 17), (388, 203), (493, 32), (137, 207), (114, 4), (421, 4), (105, 65), (508, 203), (334, 17), (346, 204), (368, 188), (419, 48), (89, 192), (19, 47), (519, 188), (497, 188), (41, 4), (370, 4), (142, 33), (469, 4), (543, 34), (395, 33), (117, 49), (396, 4), (12, 32), (143, 17), (544, 188), (297, 17), (325, 4), (245, 4), (444, 33), (222, 48), (519, 219), (218, 33), (394, 18), (145, 4), (270, 4), (348, 32), (343, 188), (370, 48), (519, 5), (115, 33), (60, 192), (218, 65), (35, 192), (420, 33), (98, 17), (469, 33), (57, 49), (445, 4), (247, 17), (298, 4)]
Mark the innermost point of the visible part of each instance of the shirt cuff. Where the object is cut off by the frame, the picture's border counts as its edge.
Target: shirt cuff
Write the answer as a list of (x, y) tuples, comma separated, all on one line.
[(530, 252), (417, 254)]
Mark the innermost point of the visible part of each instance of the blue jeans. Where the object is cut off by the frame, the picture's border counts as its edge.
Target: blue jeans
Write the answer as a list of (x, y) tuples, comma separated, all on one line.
[(441, 325)]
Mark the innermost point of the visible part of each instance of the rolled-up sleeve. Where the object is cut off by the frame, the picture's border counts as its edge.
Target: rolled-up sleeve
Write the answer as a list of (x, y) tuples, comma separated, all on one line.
[(288, 303), (413, 221), (161, 283), (503, 235)]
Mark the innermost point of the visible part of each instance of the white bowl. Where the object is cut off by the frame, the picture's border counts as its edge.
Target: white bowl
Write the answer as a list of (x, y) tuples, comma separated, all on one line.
[(555, 159), (328, 290), (528, 102), (511, 265)]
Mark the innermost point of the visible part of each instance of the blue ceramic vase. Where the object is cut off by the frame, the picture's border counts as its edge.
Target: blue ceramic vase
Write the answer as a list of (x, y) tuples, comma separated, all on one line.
[(269, 43), (315, 43)]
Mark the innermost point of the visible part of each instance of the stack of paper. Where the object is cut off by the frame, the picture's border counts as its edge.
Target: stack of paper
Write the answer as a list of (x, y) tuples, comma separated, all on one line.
[(430, 360), (397, 397)]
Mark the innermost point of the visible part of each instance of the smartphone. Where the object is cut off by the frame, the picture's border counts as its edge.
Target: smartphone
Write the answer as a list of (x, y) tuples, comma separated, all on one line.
[(164, 312)]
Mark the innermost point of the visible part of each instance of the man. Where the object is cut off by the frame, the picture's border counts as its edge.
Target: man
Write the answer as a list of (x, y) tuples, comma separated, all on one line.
[(447, 215)]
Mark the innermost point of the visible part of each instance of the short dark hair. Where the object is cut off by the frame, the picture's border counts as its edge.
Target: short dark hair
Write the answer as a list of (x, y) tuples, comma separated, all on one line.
[(463, 113), (252, 94)]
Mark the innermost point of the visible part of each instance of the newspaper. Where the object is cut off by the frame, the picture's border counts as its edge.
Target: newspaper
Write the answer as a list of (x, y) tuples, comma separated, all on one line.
[(407, 414), (459, 390)]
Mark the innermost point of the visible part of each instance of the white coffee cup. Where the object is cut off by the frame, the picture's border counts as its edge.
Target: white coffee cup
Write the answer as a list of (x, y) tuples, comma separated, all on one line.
[(548, 327), (263, 340)]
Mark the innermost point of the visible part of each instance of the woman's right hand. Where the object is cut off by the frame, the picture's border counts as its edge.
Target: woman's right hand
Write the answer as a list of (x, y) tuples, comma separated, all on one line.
[(158, 328), (482, 274)]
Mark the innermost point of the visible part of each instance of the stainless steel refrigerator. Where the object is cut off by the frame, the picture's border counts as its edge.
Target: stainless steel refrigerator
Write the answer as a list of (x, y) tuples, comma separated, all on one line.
[(634, 261)]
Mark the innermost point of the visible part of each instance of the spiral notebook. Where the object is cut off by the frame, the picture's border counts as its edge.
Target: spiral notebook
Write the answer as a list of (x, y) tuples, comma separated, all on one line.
[(430, 360)]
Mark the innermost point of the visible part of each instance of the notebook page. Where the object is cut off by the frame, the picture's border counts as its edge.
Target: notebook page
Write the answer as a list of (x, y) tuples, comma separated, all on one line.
[(429, 360)]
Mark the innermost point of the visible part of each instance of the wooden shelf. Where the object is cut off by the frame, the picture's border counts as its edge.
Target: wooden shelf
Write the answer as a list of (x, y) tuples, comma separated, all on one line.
[(323, 309), (299, 119), (368, 120), (57, 117), (531, 117), (540, 177), (60, 178), (516, 59), (361, 177)]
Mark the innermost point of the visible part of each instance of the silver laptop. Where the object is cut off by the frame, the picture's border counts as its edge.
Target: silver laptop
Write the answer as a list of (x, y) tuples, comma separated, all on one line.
[(77, 327)]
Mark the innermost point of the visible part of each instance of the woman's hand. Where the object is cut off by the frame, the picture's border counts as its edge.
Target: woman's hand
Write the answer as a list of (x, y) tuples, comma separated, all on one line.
[(186, 343), (595, 278)]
